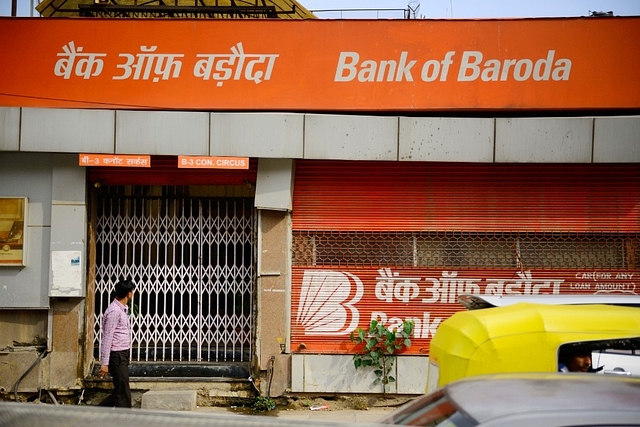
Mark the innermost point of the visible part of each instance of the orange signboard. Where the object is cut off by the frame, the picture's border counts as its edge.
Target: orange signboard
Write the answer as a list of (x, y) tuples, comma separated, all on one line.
[(202, 162), (328, 304), (115, 160), (321, 65)]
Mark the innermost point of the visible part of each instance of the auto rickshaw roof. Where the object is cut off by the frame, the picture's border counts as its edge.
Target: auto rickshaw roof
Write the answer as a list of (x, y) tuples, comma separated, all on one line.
[(526, 337), (592, 320)]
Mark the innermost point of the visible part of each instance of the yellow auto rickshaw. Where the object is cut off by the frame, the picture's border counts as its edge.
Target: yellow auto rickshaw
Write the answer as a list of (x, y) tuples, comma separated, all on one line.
[(526, 337)]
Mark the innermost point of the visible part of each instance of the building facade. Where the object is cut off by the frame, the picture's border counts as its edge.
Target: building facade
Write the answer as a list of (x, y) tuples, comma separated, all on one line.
[(270, 196)]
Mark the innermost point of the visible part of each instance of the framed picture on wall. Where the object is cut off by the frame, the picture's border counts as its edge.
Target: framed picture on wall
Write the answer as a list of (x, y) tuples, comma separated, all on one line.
[(13, 223)]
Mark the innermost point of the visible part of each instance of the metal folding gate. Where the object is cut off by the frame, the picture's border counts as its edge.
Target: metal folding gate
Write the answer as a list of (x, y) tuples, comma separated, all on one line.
[(192, 260)]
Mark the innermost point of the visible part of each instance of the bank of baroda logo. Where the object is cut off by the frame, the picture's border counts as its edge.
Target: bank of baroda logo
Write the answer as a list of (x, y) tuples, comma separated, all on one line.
[(327, 302)]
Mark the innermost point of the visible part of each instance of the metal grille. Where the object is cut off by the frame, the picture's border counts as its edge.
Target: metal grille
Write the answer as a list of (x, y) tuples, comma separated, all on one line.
[(467, 249), (149, 10), (192, 260)]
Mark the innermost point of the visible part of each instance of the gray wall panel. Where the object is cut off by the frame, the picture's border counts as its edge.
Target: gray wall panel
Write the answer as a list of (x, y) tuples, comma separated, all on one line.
[(28, 175), (446, 139), (544, 140), (350, 137), (9, 129), (68, 228), (274, 185), (162, 133), (616, 140), (26, 287), (265, 135), (68, 255), (67, 130), (412, 374), (314, 136), (69, 180)]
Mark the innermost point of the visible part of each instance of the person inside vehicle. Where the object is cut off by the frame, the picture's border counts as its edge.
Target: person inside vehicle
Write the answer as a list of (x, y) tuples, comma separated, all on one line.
[(575, 360)]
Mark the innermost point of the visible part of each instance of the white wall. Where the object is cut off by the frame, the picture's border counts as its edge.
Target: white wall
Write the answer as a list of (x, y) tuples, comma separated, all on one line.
[(317, 373)]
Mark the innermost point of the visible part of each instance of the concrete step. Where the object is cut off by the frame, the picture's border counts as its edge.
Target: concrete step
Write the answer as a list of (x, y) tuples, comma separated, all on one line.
[(170, 400)]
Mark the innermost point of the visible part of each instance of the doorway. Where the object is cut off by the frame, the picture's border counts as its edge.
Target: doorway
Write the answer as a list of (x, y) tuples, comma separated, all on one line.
[(190, 251)]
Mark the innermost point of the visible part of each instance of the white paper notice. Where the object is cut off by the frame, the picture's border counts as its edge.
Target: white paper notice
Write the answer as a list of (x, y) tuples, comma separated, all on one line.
[(67, 273)]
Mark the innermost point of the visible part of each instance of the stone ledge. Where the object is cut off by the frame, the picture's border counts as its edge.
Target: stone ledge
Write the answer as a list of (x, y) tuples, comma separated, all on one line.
[(170, 400)]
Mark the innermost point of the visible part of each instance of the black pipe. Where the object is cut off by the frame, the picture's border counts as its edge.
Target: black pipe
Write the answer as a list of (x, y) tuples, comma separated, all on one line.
[(39, 358)]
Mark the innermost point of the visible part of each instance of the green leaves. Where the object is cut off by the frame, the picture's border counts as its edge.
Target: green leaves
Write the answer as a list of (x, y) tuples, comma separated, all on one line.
[(264, 403), (377, 348)]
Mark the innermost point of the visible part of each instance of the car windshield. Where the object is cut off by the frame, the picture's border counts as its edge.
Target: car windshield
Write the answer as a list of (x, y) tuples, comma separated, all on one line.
[(434, 410)]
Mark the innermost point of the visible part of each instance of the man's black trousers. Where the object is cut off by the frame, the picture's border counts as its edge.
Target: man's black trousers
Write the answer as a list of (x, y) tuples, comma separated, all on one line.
[(119, 370)]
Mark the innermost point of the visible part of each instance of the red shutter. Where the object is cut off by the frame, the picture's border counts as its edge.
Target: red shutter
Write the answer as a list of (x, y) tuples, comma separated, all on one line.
[(164, 171), (330, 295), (394, 196)]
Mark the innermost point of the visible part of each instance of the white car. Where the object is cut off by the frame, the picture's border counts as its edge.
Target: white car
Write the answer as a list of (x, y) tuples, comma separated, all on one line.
[(617, 362), (526, 400)]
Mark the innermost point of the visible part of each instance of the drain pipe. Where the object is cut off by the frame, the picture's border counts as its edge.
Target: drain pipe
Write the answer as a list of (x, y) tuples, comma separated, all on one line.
[(270, 373)]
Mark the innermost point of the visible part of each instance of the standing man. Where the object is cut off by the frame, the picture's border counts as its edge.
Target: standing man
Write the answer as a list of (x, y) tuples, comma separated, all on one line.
[(116, 343)]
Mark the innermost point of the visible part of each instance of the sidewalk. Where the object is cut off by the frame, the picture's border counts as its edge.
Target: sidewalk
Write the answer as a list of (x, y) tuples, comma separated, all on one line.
[(370, 415), (21, 414)]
